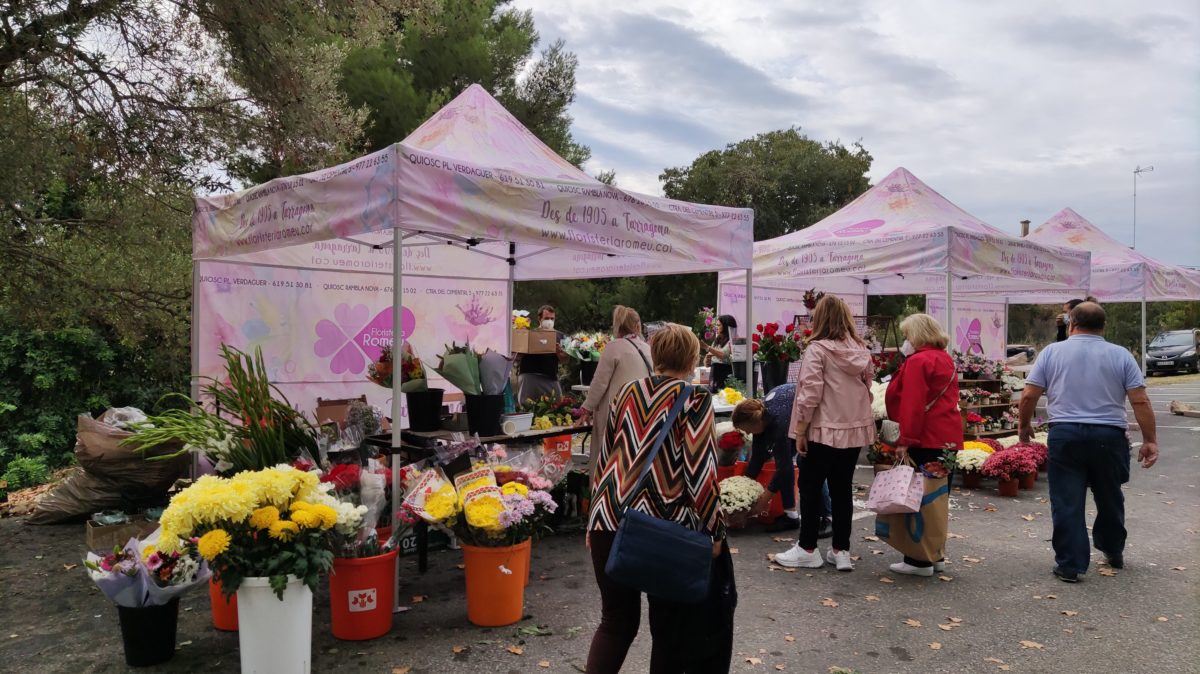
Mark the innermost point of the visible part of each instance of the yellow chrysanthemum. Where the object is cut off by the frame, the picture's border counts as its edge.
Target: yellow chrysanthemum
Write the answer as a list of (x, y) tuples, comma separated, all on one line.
[(147, 551), (307, 519), (515, 488), (971, 444), (483, 512), (468, 488), (327, 514), (213, 543), (300, 506), (264, 517), (442, 504), (284, 530)]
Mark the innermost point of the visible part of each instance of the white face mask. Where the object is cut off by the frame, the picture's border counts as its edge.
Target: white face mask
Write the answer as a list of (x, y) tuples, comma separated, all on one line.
[(548, 324), (907, 348)]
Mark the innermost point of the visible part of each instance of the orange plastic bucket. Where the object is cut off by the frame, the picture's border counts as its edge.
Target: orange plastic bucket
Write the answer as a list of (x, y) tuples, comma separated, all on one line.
[(528, 561), (224, 612), (361, 594), (496, 583)]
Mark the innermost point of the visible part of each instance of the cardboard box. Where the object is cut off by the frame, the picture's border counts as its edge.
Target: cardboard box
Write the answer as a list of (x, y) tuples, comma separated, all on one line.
[(534, 341), (106, 537)]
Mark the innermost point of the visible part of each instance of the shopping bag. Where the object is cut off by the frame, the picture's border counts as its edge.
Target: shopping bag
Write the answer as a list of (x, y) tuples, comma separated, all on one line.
[(898, 490), (920, 535)]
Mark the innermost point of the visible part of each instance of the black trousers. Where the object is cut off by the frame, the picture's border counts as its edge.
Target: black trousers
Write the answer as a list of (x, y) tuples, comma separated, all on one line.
[(686, 638), (836, 465)]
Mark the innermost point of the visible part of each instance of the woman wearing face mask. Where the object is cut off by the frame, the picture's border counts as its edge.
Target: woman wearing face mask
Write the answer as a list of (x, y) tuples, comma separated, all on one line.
[(625, 359), (923, 399), (539, 371), (721, 351)]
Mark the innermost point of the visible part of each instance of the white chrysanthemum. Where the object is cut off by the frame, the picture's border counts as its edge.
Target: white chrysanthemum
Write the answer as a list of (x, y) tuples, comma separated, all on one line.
[(739, 493)]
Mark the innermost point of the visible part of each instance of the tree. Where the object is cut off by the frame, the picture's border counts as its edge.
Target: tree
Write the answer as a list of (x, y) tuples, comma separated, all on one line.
[(790, 180), (411, 74)]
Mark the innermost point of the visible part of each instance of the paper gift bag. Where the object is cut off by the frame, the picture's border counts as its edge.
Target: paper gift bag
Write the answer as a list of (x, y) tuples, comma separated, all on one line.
[(898, 490), (920, 535)]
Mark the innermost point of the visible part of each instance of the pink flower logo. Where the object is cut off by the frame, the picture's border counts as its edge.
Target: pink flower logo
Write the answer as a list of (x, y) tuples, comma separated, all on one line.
[(350, 341)]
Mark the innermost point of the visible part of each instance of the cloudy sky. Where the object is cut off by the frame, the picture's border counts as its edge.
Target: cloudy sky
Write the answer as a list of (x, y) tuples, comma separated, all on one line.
[(1012, 110)]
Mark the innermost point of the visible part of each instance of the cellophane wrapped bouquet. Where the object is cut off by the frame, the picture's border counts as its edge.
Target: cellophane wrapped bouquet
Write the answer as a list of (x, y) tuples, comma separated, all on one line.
[(139, 575)]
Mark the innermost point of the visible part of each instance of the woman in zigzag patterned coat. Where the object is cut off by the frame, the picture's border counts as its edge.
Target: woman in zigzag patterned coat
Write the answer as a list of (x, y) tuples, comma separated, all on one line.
[(682, 488)]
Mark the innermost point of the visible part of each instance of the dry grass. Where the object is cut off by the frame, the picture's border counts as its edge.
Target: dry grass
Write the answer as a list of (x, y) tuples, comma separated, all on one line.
[(1175, 379)]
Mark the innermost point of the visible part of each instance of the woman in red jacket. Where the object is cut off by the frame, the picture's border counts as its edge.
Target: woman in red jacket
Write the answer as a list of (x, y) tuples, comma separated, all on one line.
[(923, 399)]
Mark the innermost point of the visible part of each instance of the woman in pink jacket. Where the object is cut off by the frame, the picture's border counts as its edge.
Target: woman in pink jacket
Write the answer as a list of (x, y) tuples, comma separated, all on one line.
[(831, 422)]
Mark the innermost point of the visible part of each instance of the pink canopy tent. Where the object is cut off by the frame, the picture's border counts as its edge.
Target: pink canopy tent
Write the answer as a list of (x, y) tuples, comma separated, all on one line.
[(470, 202), (1119, 274), (902, 237)]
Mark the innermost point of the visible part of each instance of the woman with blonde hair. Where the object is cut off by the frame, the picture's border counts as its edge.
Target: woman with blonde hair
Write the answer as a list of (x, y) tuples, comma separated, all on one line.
[(681, 487), (923, 399), (626, 358), (831, 422)]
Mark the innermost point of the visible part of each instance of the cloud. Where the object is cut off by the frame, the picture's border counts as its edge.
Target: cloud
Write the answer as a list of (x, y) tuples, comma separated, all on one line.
[(1012, 110)]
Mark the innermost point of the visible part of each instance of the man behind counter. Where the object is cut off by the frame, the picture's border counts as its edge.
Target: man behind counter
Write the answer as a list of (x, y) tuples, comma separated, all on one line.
[(539, 371)]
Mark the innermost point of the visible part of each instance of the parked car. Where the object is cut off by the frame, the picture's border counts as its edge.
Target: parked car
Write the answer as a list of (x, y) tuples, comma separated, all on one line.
[(1018, 349), (1174, 351)]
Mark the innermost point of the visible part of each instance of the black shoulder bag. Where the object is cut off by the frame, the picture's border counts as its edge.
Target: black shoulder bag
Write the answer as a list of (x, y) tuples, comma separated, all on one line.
[(656, 556)]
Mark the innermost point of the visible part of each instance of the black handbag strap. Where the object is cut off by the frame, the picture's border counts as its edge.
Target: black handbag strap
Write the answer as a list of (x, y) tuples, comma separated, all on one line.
[(649, 369), (669, 424)]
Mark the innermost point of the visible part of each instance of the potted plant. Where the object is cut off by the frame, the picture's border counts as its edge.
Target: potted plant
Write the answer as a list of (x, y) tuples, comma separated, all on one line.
[(974, 423), (1039, 454), (731, 448), (267, 536), (970, 461), (738, 496), (1007, 466), (424, 403), (145, 584), (495, 524), (586, 348), (775, 347)]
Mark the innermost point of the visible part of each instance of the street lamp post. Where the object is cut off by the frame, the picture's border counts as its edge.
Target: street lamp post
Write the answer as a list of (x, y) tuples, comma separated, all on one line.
[(1136, 172)]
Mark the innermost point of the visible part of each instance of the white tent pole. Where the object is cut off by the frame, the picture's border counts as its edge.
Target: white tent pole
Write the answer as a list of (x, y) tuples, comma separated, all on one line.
[(512, 271), (195, 379), (1005, 341), (1143, 329), (397, 345), (751, 389), (949, 294)]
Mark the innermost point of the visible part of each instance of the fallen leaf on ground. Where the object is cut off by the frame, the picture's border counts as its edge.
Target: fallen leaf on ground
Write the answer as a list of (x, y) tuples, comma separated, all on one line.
[(1179, 568), (754, 661), (956, 620), (887, 580), (544, 664), (828, 601), (68, 567), (459, 649), (1003, 668), (733, 551), (401, 670), (946, 627), (1028, 518), (1031, 644), (871, 597), (952, 535), (997, 661), (973, 560), (1105, 571), (461, 566), (912, 623), (990, 509), (1051, 596), (515, 650), (946, 579), (781, 539), (779, 668), (789, 638), (873, 539), (1070, 614), (877, 552), (770, 557), (935, 646), (1162, 618), (418, 598)]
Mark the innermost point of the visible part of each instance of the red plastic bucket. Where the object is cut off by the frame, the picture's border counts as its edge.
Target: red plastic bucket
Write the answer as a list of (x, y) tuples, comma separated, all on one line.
[(496, 584), (224, 612), (361, 594)]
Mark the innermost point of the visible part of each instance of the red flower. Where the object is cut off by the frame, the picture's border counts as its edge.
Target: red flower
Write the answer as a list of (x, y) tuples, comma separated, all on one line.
[(790, 327), (796, 337), (756, 337), (778, 339), (730, 440), (772, 328), (343, 475), (808, 332), (754, 347), (759, 327)]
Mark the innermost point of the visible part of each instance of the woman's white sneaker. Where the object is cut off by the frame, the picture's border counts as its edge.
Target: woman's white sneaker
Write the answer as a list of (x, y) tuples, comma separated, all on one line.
[(939, 567), (799, 558), (910, 570), (840, 559)]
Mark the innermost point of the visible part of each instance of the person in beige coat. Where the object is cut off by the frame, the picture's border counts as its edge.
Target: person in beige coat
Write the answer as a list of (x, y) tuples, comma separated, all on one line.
[(625, 359)]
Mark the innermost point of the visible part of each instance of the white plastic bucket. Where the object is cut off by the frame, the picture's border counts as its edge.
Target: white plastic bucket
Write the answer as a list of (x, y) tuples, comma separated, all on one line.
[(275, 636)]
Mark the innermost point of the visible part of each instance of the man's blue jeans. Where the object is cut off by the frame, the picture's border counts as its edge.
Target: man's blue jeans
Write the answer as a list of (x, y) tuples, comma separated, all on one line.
[(1082, 456)]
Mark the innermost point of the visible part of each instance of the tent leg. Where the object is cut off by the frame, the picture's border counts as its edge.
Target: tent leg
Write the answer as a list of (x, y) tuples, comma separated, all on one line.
[(397, 345), (751, 386), (950, 308), (195, 379), (1004, 342), (512, 271), (1143, 331)]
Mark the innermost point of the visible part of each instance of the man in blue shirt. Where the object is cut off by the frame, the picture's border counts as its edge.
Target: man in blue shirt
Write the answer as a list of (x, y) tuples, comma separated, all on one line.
[(1086, 381)]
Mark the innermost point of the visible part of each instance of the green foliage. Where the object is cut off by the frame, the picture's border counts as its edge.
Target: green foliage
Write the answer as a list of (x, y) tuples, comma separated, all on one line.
[(25, 472), (48, 377), (1034, 324)]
